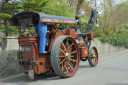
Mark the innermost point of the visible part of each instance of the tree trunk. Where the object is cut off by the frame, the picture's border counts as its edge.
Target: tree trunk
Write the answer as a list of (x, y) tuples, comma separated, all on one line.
[(78, 7), (78, 13), (6, 26)]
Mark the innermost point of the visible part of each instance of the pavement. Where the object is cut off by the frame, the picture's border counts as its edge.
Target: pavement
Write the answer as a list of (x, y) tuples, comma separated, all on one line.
[(112, 69)]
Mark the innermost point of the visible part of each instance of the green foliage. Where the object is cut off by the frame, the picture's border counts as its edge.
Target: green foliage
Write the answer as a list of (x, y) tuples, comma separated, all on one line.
[(5, 15), (113, 16), (98, 32), (126, 26), (11, 30), (34, 5), (54, 7), (11, 7), (120, 38), (61, 9), (84, 21), (7, 10), (108, 32)]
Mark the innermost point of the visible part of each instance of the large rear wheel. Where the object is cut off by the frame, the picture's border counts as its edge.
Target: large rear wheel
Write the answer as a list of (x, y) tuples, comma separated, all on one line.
[(65, 56)]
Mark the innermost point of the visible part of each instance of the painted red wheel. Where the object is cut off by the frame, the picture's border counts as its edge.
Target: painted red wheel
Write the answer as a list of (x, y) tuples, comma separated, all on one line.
[(93, 56), (65, 56)]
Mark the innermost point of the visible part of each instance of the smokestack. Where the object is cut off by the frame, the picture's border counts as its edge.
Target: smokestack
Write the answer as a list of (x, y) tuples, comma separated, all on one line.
[(78, 18)]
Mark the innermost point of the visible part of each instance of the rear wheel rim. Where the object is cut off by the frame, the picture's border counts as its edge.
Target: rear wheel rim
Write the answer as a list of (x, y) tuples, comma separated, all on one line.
[(68, 57), (94, 56)]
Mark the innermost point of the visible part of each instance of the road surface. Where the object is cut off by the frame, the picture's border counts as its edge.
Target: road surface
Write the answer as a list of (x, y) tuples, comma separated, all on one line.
[(112, 69)]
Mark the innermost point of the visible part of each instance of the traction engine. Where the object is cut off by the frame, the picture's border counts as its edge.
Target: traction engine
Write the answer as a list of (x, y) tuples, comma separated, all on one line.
[(64, 47)]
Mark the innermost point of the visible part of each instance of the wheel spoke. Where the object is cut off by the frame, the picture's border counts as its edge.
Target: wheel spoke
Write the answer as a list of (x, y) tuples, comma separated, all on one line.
[(70, 50), (70, 66), (61, 56), (92, 51), (73, 52), (62, 61), (93, 60), (67, 43), (71, 45), (62, 51), (64, 46), (92, 55), (62, 67), (70, 63), (59, 59), (72, 56), (66, 69), (73, 60)]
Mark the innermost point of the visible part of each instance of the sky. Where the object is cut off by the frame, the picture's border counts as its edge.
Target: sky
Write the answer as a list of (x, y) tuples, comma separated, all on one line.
[(117, 1)]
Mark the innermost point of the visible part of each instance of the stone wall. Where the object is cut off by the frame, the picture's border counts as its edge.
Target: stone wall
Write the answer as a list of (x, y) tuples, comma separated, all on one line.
[(8, 58), (9, 48), (105, 48)]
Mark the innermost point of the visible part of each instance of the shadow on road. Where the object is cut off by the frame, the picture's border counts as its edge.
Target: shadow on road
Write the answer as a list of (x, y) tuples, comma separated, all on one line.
[(84, 66), (24, 78), (42, 77)]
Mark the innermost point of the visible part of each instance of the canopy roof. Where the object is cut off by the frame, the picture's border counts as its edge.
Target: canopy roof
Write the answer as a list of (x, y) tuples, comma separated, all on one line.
[(35, 17)]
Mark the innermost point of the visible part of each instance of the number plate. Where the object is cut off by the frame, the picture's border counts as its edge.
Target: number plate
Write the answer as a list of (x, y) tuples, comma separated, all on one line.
[(25, 49)]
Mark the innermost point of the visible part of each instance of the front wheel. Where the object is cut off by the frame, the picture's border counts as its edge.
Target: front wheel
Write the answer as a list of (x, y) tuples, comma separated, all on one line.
[(93, 56), (65, 56)]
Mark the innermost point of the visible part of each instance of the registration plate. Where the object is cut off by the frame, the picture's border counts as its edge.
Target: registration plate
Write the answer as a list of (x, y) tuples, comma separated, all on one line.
[(25, 49)]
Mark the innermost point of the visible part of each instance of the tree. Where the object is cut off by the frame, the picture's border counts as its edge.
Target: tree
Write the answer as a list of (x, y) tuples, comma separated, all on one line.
[(78, 7), (7, 9), (35, 5), (60, 8), (81, 6), (111, 18), (54, 7)]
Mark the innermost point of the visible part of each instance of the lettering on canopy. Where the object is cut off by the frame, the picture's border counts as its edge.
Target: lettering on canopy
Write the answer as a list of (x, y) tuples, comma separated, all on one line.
[(56, 20)]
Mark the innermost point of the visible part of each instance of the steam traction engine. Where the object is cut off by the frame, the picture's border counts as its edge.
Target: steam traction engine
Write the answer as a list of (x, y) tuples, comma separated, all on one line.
[(64, 49)]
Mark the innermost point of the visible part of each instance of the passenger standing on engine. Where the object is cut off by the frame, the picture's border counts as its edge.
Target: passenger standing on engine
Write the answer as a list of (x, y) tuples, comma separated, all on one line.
[(41, 32)]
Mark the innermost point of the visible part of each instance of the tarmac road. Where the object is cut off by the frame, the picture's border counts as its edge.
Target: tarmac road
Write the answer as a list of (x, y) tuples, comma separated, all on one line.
[(112, 69)]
